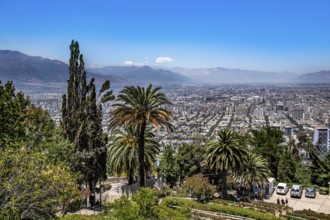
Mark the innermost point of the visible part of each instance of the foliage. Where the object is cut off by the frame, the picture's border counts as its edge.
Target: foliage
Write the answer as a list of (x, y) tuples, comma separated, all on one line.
[(124, 208), (39, 126), (309, 214), (224, 154), (144, 206), (320, 168), (219, 208), (141, 106), (189, 158), (255, 169), (268, 142), (123, 151), (146, 199), (82, 120), (303, 173), (13, 108), (31, 187), (168, 166), (199, 187)]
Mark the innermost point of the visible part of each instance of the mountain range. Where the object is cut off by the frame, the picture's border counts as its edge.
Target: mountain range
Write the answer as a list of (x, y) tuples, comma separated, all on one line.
[(22, 68)]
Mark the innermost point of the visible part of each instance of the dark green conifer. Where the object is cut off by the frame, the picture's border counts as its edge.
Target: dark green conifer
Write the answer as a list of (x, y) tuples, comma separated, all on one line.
[(82, 120)]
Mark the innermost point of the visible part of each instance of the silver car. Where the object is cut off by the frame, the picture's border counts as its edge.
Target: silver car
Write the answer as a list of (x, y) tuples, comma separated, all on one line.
[(296, 191), (310, 192)]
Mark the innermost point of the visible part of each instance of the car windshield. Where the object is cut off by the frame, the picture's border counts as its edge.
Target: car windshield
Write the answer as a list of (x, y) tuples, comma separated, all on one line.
[(295, 189), (280, 187), (310, 190)]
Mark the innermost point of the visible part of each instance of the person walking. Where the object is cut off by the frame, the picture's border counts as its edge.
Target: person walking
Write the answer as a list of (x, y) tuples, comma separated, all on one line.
[(278, 201), (286, 201)]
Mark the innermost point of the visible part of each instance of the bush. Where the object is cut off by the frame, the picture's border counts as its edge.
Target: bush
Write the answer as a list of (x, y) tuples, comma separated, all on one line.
[(75, 205), (144, 205), (324, 190), (311, 215), (218, 208), (199, 187)]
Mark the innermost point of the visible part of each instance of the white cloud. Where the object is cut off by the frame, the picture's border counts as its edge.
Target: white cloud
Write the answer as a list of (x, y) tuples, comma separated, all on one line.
[(128, 62), (164, 60), (133, 63)]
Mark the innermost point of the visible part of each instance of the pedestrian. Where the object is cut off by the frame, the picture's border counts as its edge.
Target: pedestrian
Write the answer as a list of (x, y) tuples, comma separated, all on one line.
[(286, 201), (278, 201), (282, 201)]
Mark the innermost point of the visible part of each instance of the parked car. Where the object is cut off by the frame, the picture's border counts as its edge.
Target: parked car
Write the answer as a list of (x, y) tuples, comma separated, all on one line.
[(296, 191), (282, 188), (310, 192)]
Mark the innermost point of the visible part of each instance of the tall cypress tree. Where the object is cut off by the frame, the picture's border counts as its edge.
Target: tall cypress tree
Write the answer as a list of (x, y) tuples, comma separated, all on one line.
[(82, 120)]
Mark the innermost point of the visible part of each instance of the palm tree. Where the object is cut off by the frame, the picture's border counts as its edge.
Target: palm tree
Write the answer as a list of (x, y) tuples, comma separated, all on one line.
[(255, 169), (225, 154), (140, 107), (123, 152)]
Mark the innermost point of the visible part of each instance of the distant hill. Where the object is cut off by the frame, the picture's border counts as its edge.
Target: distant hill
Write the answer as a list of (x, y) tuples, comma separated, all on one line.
[(226, 75), (317, 77), (143, 74), (22, 68)]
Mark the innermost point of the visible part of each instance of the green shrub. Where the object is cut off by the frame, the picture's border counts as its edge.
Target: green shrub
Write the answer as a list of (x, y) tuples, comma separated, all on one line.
[(324, 190), (218, 208), (311, 215), (75, 205)]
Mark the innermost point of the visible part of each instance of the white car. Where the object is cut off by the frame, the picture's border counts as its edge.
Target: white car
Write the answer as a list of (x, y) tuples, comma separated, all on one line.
[(282, 188)]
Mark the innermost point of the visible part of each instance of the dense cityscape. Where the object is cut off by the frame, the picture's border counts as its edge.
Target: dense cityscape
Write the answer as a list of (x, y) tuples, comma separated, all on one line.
[(201, 111)]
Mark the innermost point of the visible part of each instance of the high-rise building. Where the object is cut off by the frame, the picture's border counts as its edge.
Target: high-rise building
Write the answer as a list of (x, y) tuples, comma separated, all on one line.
[(321, 139)]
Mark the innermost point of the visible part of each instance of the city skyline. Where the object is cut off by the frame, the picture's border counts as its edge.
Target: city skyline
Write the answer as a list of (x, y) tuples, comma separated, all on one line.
[(274, 36)]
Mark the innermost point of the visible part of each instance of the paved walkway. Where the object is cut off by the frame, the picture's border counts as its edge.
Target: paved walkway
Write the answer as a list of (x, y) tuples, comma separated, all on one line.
[(113, 193), (320, 204)]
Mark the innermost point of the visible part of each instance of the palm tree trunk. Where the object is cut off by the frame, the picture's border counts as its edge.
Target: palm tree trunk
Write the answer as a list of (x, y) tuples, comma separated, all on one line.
[(141, 154), (224, 184), (130, 176)]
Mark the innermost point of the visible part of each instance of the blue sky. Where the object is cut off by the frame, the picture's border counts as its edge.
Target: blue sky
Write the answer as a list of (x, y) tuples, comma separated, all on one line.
[(273, 35)]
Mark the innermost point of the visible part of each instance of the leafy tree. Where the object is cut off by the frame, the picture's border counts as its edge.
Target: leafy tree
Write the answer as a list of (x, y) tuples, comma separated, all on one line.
[(168, 166), (225, 154), (31, 187), (13, 108), (39, 126), (287, 167), (320, 168), (199, 187), (255, 169), (123, 151), (303, 173), (268, 142), (189, 158), (141, 106), (82, 120), (59, 150)]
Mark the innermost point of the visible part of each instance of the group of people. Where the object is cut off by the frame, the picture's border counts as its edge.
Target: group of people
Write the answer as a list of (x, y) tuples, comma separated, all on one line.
[(283, 202)]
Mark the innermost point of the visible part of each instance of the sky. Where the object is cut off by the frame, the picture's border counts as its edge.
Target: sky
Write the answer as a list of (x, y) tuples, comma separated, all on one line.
[(270, 35)]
